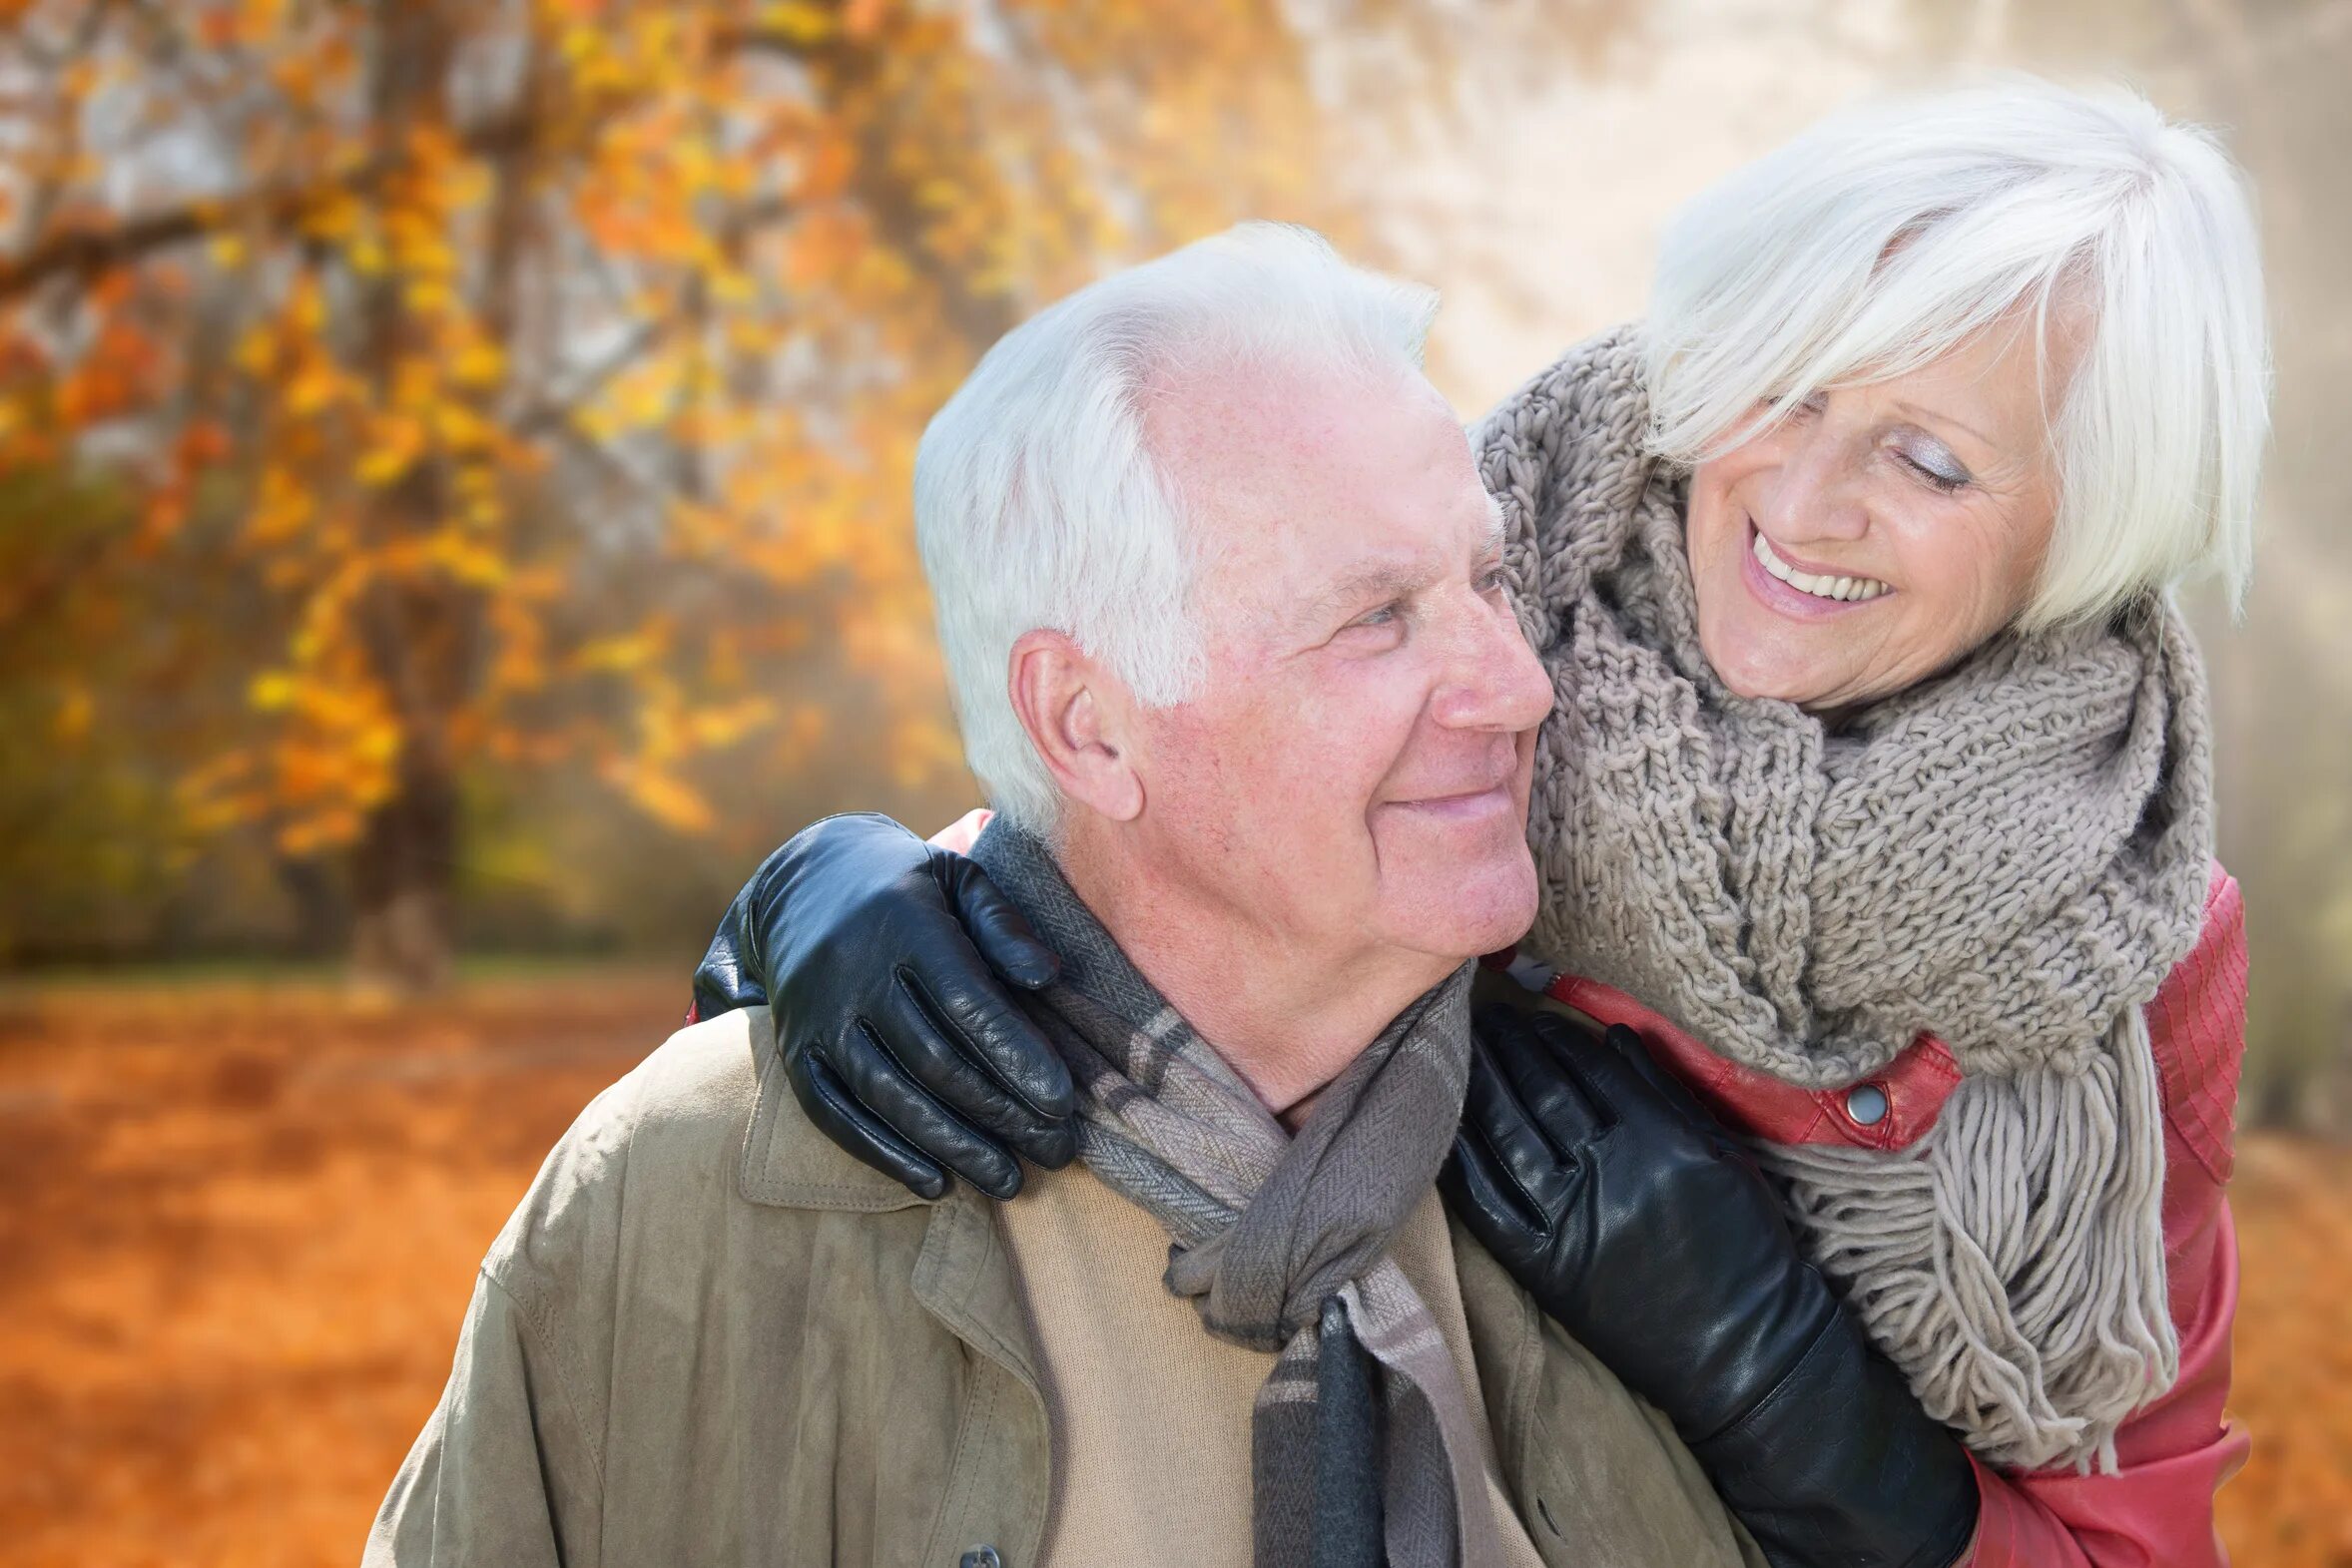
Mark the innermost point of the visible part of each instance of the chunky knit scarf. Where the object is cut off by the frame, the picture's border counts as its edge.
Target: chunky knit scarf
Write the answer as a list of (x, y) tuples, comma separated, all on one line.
[(2011, 856), (1363, 1430)]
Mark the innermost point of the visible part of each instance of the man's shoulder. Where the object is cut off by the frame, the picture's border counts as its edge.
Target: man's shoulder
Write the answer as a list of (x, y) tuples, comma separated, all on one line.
[(696, 1090), (704, 1123), (664, 1129)]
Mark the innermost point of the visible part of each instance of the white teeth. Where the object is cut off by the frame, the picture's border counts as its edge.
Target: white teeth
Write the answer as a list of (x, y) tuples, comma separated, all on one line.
[(1846, 589)]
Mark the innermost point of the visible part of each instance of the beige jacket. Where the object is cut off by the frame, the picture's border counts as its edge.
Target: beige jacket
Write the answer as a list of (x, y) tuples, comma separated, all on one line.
[(709, 1336)]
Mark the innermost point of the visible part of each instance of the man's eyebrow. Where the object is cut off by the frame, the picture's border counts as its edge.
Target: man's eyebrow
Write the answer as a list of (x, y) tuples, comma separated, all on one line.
[(1492, 543), (1381, 582)]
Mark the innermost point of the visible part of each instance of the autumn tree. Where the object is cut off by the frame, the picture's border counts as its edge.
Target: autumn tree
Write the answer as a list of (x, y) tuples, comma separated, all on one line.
[(521, 383)]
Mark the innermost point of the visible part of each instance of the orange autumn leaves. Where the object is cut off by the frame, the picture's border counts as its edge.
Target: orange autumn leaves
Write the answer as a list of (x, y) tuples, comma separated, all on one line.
[(526, 386), (237, 1214)]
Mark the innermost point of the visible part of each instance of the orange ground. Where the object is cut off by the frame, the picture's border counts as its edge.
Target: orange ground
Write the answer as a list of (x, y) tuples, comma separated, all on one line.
[(238, 1227)]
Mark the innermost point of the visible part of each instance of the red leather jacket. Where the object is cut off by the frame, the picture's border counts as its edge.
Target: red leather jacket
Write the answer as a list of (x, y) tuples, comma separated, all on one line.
[(2158, 1509)]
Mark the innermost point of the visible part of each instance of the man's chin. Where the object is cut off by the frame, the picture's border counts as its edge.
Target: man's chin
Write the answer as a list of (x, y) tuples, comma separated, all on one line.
[(1483, 912)]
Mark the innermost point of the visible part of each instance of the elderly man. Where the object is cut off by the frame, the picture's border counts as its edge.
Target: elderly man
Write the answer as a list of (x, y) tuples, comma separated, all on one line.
[(1264, 820)]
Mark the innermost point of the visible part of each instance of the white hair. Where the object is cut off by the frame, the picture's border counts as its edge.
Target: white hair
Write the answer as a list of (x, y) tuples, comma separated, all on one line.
[(1883, 237), (1038, 503)]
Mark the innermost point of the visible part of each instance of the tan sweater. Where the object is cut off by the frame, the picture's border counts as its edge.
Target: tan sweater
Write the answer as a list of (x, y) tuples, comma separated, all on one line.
[(1149, 1414)]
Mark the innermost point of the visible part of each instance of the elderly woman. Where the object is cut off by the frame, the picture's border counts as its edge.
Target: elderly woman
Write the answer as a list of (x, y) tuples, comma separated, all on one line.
[(1876, 799)]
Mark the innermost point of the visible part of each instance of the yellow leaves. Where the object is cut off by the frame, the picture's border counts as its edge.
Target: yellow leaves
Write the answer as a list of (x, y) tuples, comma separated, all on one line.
[(798, 22), (662, 795), (520, 663), (330, 756), (623, 655), (320, 831), (77, 705), (273, 692), (306, 306), (732, 286), (394, 442), (220, 792), (481, 363), (428, 295), (312, 388), (717, 726), (256, 350), (460, 431), (282, 509), (466, 560), (809, 240)]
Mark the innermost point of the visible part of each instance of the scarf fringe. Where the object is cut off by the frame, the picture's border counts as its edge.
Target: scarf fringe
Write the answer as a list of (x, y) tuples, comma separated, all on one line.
[(2012, 1264)]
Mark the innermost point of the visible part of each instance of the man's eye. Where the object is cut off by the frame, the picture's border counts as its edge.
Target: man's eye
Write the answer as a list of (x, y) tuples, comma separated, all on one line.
[(1491, 581), (1384, 616)]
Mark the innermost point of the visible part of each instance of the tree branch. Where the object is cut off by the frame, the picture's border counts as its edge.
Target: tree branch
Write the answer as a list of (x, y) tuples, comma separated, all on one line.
[(89, 254)]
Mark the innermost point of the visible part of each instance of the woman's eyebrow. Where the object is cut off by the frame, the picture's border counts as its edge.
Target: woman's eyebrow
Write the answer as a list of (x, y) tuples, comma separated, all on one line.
[(1934, 416)]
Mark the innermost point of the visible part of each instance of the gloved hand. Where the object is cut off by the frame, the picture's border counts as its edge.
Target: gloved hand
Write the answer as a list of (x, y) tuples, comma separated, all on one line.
[(1638, 1223), (883, 961)]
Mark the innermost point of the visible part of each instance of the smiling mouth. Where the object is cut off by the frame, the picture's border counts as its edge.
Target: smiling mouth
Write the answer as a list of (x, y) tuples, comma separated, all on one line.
[(1470, 804), (1821, 585)]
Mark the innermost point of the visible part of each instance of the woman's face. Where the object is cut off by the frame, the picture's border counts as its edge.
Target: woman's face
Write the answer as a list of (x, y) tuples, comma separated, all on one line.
[(1880, 532)]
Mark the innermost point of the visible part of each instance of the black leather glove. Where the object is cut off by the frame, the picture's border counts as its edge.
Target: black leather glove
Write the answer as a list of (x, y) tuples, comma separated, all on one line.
[(1639, 1224), (883, 961)]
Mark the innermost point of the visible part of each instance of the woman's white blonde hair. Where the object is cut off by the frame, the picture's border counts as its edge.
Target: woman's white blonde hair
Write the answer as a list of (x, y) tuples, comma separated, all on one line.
[(1886, 236)]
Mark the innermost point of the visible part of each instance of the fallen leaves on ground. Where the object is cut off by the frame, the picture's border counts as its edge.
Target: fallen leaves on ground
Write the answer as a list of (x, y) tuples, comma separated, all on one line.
[(239, 1225)]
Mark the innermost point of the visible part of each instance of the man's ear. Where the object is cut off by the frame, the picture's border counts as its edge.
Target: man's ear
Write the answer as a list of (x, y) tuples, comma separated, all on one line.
[(1078, 716)]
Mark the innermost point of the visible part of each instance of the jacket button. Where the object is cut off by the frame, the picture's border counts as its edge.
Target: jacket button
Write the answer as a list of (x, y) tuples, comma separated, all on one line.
[(980, 1557), (1867, 1104)]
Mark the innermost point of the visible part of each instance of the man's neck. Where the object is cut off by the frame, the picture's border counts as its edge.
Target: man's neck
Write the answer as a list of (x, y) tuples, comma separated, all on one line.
[(1287, 1017)]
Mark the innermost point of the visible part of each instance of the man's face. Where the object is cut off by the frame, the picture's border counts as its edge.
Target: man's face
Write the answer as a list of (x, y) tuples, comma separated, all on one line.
[(1352, 773)]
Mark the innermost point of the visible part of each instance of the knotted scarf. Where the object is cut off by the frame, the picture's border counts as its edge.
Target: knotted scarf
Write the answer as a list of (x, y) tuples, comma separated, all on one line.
[(1364, 1443), (2011, 855)]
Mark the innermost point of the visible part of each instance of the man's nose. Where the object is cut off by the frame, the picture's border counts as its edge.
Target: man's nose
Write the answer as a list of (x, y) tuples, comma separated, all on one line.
[(1814, 491), (1494, 679)]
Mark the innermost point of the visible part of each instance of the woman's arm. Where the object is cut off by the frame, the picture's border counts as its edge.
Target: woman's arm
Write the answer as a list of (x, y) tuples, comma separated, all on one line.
[(1640, 1225), (884, 963)]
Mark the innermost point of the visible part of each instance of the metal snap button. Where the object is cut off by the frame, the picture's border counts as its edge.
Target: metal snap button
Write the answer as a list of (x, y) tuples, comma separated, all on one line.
[(1867, 1104), (980, 1557)]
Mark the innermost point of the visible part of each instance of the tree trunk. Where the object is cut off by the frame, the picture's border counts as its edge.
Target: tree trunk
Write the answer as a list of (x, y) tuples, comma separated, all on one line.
[(418, 634), (402, 876)]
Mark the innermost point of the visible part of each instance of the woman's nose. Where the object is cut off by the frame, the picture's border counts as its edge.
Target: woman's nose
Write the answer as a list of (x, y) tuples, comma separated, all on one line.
[(1811, 493)]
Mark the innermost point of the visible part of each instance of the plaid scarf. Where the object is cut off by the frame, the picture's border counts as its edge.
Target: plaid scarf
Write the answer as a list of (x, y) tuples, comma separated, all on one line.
[(1364, 1443)]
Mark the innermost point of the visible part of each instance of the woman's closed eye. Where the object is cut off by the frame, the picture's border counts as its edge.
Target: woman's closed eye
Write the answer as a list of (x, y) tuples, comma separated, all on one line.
[(1939, 468)]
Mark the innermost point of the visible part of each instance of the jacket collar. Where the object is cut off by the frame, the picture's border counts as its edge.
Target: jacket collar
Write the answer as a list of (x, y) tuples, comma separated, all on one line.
[(787, 1163)]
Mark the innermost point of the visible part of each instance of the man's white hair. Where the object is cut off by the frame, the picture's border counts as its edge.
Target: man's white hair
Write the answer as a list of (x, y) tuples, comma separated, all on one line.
[(1883, 237), (1039, 504)]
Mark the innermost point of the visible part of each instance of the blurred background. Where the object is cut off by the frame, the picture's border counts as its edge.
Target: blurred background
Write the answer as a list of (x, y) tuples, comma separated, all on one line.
[(453, 520)]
